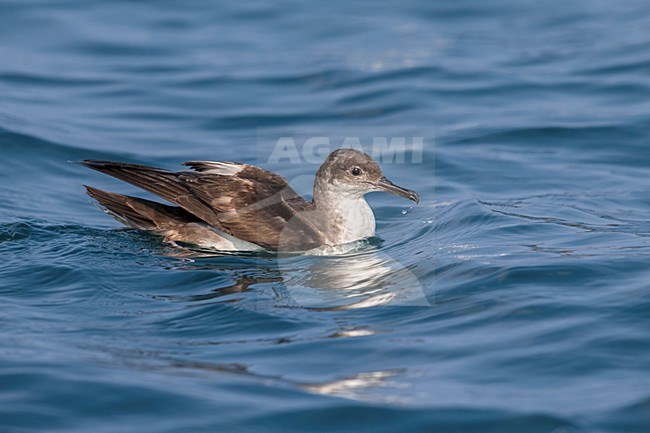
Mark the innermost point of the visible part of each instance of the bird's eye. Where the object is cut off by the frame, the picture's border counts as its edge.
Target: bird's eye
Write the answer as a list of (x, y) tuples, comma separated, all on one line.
[(356, 171)]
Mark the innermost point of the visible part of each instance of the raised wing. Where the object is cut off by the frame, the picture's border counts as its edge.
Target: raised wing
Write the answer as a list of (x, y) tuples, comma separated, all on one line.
[(163, 183), (242, 200), (245, 173)]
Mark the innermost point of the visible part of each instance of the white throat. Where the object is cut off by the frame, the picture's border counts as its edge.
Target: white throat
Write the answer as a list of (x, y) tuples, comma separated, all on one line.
[(352, 216), (358, 219)]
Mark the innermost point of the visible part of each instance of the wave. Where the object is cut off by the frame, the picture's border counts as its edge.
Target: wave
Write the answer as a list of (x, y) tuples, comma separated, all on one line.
[(29, 149)]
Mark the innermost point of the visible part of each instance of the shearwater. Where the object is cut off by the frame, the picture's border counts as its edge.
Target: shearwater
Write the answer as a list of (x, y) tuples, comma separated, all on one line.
[(229, 206)]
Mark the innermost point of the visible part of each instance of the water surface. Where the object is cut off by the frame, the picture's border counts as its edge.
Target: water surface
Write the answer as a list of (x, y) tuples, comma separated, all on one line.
[(514, 298)]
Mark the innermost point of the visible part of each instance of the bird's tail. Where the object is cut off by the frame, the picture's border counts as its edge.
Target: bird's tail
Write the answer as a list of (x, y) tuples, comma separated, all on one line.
[(140, 213), (166, 184)]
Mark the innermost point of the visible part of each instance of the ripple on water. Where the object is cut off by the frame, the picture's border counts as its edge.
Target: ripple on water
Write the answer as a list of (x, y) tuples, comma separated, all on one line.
[(513, 298)]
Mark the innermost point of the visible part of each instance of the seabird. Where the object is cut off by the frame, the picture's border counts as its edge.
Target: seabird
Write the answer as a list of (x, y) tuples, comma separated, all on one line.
[(228, 206)]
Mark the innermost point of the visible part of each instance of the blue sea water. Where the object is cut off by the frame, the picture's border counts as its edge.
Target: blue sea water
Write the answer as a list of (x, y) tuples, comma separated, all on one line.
[(514, 298)]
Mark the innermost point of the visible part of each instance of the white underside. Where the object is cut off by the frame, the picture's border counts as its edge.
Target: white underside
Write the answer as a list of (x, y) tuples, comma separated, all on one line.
[(356, 218), (220, 241), (231, 243)]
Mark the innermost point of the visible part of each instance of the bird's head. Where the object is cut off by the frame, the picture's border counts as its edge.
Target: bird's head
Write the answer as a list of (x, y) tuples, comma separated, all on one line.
[(349, 171)]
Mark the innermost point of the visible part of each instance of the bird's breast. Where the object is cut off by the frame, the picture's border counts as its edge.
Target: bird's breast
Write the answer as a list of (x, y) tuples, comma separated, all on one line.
[(356, 221)]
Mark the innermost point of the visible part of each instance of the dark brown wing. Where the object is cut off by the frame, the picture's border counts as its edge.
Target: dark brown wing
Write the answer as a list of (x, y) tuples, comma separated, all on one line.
[(254, 204), (140, 213), (272, 182), (244, 201), (163, 183)]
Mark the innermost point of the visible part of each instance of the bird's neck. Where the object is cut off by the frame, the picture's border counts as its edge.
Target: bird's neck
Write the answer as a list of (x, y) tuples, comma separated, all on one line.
[(347, 216)]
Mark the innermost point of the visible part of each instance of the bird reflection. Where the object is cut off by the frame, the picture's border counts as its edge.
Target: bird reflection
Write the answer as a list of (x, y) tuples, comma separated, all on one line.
[(240, 286), (359, 280), (363, 279)]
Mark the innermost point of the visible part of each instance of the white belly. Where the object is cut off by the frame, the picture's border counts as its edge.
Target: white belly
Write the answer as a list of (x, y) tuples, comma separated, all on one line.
[(205, 236), (229, 243)]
